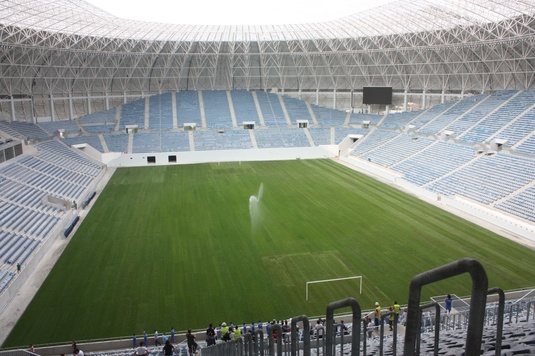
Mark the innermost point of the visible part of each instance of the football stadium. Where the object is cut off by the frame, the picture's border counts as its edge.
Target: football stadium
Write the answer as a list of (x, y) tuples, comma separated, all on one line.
[(358, 185)]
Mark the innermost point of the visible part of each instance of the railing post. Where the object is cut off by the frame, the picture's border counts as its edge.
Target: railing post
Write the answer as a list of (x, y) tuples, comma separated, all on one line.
[(294, 335), (278, 329), (355, 335), (437, 325), (501, 309), (477, 303)]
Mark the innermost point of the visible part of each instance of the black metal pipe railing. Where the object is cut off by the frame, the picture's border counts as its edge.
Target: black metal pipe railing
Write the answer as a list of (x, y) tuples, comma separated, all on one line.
[(477, 303), (356, 316), (501, 310)]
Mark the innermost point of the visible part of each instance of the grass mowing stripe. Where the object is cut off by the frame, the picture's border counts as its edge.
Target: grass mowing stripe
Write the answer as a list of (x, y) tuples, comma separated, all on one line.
[(174, 246)]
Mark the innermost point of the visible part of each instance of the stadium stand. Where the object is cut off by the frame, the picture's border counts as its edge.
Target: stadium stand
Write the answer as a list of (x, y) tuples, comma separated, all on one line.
[(328, 116), (133, 113), (161, 111), (216, 109), (244, 106), (92, 140), (226, 140), (271, 109), (52, 127), (188, 108)]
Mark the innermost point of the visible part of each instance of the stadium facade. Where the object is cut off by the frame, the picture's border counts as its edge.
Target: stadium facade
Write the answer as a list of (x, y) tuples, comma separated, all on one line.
[(66, 59)]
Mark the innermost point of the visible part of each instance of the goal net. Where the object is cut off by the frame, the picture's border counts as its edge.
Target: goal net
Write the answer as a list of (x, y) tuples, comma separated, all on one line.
[(333, 280)]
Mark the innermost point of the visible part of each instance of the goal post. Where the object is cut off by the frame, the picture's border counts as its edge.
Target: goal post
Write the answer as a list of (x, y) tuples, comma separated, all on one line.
[(333, 280)]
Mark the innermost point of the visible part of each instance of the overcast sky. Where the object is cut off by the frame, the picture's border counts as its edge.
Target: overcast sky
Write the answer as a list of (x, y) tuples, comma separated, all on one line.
[(235, 12)]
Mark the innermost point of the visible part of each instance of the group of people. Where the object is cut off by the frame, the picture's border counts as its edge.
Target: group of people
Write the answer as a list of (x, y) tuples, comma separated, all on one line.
[(168, 341), (230, 332)]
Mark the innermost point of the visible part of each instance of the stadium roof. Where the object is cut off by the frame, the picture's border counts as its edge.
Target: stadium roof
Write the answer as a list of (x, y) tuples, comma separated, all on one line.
[(55, 54), (406, 16)]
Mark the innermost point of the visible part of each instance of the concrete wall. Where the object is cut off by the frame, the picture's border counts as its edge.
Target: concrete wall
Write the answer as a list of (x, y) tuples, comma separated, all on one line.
[(191, 157)]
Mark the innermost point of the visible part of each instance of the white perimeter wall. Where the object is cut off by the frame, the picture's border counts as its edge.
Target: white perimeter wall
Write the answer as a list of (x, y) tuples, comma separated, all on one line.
[(191, 157)]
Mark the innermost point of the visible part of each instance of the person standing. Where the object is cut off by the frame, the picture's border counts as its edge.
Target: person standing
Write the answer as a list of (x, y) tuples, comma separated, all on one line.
[(164, 338), (145, 338), (134, 341), (377, 314), (192, 343), (397, 309), (168, 349), (448, 300), (210, 335), (141, 350), (370, 327), (172, 335), (156, 341)]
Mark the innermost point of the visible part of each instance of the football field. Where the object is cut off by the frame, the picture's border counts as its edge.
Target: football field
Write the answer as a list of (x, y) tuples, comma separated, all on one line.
[(189, 245)]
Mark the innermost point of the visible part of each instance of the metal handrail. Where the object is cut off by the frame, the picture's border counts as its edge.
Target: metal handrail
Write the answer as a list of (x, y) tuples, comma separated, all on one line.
[(477, 303)]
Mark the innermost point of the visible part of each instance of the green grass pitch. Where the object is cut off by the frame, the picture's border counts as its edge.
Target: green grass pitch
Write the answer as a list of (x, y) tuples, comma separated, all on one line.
[(176, 246)]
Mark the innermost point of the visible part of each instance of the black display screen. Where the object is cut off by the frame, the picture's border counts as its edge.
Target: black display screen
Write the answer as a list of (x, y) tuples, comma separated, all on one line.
[(377, 95)]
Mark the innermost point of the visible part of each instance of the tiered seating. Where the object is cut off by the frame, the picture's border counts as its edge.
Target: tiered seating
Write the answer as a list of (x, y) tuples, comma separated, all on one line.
[(5, 278), (297, 109), (320, 135), (244, 106), (58, 153), (434, 162), (146, 142), (269, 138), (133, 113), (328, 117), (228, 140), (519, 129), (521, 204), (479, 112), (294, 137), (174, 141), (188, 108), (373, 140), (440, 122), (92, 140), (271, 109), (117, 142), (281, 137), (397, 149), (161, 112), (216, 109), (99, 122), (488, 179), (527, 146), (342, 132), (356, 119), (399, 120), (495, 121), (431, 113), (23, 130), (52, 127)]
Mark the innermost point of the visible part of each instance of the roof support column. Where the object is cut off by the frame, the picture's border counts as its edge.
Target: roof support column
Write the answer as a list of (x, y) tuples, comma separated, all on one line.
[(89, 110), (71, 109), (107, 100), (334, 99), (52, 111), (12, 104), (424, 106), (405, 100)]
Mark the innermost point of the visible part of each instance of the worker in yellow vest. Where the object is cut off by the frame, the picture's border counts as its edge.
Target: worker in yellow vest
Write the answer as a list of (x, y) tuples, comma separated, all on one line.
[(396, 308), (377, 314)]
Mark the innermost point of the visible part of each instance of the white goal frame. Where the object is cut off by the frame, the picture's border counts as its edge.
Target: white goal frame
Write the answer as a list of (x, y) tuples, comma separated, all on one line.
[(333, 280)]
